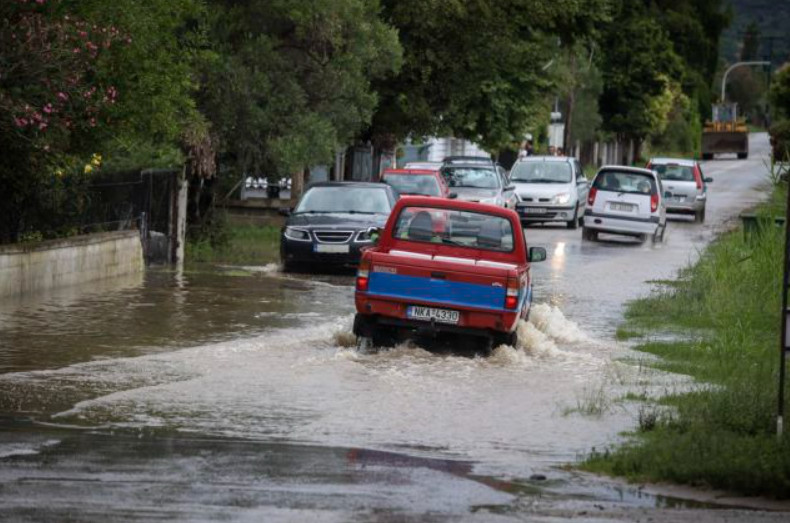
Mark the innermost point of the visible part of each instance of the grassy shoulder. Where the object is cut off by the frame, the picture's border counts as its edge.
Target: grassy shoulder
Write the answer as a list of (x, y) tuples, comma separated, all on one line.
[(725, 312), (237, 244)]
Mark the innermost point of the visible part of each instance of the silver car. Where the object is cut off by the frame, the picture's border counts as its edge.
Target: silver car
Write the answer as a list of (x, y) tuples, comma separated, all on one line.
[(550, 189), (477, 182), (685, 187)]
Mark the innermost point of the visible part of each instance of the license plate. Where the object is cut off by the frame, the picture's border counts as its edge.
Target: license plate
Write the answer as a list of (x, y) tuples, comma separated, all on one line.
[(621, 207), (337, 249), (417, 312), (678, 198), (533, 210)]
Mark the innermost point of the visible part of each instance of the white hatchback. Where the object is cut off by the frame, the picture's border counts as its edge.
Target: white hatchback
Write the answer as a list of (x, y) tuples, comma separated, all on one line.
[(625, 200)]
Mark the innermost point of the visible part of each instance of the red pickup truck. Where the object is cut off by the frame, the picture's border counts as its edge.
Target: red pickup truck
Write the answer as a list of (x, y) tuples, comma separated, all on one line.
[(445, 267)]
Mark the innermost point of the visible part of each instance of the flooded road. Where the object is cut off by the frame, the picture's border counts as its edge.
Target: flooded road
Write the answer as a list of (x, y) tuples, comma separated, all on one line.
[(237, 394)]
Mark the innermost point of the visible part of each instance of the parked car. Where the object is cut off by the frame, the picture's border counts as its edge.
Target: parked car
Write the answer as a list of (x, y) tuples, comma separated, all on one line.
[(685, 187), (416, 182), (625, 200), (471, 279), (450, 161), (550, 189), (426, 166), (478, 182), (332, 223)]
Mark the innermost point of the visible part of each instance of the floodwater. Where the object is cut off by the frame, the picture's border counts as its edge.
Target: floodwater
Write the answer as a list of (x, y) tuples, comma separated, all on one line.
[(236, 393)]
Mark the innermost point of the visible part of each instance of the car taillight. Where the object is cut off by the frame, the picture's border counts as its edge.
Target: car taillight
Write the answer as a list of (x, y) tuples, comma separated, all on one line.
[(698, 178), (511, 297), (363, 275), (654, 202), (591, 196)]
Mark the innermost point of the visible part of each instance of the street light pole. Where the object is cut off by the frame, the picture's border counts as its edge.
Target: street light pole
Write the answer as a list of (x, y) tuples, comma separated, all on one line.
[(733, 66)]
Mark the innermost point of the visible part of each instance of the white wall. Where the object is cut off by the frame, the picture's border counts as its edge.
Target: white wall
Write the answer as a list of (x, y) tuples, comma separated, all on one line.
[(42, 266)]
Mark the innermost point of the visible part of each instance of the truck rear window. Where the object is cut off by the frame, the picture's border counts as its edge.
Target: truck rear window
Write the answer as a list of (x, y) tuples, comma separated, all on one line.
[(625, 182), (454, 227)]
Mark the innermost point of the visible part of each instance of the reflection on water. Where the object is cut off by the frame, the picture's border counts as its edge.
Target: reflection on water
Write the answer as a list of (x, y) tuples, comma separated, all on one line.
[(165, 310)]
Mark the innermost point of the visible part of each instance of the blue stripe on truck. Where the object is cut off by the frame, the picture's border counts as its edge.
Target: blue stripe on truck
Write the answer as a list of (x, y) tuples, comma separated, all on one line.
[(442, 292)]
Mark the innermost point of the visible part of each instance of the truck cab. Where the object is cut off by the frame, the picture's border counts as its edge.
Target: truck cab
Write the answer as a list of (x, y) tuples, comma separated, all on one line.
[(445, 268)]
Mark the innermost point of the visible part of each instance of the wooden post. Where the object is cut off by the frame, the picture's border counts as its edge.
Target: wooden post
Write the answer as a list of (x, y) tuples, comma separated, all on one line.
[(178, 217)]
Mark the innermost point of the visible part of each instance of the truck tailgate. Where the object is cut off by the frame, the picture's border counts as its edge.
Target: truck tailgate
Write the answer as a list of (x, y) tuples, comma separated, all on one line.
[(442, 281)]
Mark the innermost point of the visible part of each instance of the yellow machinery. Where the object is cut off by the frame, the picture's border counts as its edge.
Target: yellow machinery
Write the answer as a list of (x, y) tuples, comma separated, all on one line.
[(725, 133)]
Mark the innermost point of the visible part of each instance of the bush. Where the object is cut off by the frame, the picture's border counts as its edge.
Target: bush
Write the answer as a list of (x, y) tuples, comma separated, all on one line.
[(780, 141)]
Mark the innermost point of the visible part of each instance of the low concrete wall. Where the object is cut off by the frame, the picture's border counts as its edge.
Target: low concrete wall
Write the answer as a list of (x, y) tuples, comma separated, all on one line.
[(42, 266)]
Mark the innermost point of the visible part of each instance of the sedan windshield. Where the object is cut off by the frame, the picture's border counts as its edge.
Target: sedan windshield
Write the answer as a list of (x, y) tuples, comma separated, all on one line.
[(625, 182), (472, 177), (541, 172), (424, 184), (453, 227), (345, 199), (674, 172)]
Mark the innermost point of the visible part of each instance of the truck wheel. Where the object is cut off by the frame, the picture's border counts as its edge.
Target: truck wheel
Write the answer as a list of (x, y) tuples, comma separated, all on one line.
[(510, 338), (743, 156), (589, 234), (574, 222), (699, 216), (364, 344), (658, 236), (384, 337)]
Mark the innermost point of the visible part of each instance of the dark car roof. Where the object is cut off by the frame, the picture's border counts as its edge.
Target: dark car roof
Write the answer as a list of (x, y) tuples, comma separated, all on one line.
[(535, 158), (372, 185), (419, 172), (469, 159)]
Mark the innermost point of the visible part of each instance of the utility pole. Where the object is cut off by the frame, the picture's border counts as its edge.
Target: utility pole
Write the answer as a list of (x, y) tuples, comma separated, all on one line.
[(784, 342), (733, 66)]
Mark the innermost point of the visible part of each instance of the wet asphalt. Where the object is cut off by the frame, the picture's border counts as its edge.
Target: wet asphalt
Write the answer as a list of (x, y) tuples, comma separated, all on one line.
[(236, 394)]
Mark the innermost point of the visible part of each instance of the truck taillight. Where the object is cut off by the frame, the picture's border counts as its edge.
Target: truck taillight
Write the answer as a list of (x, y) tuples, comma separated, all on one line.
[(511, 297), (698, 178), (591, 196), (363, 275), (654, 202)]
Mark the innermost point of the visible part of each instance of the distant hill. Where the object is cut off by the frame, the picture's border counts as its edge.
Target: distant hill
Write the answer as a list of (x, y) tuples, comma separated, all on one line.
[(773, 19)]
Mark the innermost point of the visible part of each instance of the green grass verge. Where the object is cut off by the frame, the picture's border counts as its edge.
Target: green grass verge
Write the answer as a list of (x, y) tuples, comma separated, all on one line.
[(722, 433), (241, 245)]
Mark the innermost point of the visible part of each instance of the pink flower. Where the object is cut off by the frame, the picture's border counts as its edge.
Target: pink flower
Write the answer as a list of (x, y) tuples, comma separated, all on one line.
[(76, 50), (63, 96), (42, 126), (48, 108), (20, 122)]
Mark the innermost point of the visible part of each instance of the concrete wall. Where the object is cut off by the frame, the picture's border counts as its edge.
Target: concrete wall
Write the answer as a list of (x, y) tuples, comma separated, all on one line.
[(42, 266)]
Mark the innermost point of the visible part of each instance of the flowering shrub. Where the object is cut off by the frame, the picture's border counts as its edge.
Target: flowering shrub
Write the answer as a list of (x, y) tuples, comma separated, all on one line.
[(51, 106)]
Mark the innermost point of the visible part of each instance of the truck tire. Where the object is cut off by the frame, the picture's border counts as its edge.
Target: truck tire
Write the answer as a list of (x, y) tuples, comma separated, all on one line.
[(743, 156), (510, 338), (589, 234), (707, 156), (699, 216), (384, 337)]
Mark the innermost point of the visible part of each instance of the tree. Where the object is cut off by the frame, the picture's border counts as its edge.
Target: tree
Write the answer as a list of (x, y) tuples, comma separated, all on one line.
[(639, 68), (288, 82)]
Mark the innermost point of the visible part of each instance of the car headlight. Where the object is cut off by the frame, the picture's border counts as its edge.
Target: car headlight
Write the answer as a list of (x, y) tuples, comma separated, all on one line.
[(562, 198), (292, 233)]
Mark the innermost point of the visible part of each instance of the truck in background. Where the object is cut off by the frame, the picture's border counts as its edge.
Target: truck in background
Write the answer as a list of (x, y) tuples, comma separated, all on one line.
[(725, 133)]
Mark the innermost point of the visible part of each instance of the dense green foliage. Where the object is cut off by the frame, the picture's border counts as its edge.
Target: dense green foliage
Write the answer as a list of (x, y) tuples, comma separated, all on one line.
[(288, 82), (721, 433)]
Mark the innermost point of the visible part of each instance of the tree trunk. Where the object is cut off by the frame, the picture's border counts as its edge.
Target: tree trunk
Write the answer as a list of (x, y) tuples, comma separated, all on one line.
[(571, 102)]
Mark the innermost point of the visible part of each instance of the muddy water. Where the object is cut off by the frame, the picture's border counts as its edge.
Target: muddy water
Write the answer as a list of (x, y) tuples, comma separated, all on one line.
[(254, 355)]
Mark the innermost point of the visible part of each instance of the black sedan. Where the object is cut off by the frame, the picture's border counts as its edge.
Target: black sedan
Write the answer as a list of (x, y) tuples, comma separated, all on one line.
[(332, 222)]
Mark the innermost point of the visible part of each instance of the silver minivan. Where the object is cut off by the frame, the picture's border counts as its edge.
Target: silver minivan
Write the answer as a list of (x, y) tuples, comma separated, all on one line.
[(685, 187), (550, 189), (625, 200)]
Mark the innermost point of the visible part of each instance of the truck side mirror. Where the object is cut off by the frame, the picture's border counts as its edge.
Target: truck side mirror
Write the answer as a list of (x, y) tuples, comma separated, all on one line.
[(374, 233), (536, 254), (452, 196), (708, 180)]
